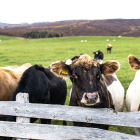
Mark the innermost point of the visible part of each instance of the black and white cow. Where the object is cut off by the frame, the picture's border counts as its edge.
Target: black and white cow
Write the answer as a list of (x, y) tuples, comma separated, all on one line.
[(99, 56), (114, 86), (43, 87), (89, 88), (133, 92)]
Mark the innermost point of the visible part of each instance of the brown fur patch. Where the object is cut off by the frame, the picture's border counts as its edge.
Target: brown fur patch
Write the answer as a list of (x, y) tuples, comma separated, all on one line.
[(110, 67), (85, 61), (8, 83), (60, 69), (134, 62), (109, 46), (109, 79)]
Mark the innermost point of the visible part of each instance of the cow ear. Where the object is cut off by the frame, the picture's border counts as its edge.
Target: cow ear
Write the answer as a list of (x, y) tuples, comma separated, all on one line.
[(60, 69), (134, 62), (94, 52), (110, 67)]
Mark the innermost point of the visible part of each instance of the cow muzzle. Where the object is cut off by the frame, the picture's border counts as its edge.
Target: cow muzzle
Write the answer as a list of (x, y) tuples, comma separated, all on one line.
[(90, 98)]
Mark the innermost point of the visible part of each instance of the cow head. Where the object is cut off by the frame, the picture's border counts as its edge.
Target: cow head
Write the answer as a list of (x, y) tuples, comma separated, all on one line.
[(87, 77), (98, 55), (134, 62)]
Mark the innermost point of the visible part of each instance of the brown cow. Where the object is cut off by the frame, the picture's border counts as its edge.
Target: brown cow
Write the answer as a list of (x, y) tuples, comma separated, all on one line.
[(109, 47), (9, 77)]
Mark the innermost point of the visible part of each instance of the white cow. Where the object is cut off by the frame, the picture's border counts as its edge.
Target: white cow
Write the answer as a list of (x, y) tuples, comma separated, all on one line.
[(133, 92)]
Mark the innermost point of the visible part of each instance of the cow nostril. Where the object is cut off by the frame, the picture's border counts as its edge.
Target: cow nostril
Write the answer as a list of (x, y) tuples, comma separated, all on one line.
[(86, 97), (96, 96)]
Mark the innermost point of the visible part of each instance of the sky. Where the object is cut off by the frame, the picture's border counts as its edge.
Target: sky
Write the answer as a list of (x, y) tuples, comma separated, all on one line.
[(30, 11)]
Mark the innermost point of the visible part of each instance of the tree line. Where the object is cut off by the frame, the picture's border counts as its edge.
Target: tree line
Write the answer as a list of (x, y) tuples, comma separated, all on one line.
[(41, 35)]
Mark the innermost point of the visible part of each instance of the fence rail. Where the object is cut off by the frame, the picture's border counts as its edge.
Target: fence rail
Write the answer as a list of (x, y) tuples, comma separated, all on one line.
[(23, 129)]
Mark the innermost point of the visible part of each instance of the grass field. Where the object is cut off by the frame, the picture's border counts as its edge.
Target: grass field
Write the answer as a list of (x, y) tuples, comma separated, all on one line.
[(17, 51)]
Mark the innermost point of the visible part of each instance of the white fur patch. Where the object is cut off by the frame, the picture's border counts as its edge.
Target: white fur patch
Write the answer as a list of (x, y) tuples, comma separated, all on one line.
[(101, 61), (96, 52), (68, 62), (133, 94), (117, 92)]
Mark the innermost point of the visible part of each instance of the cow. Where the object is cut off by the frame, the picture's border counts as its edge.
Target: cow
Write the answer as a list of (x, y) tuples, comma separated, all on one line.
[(109, 47), (133, 91), (89, 88), (114, 86), (43, 87), (9, 77), (98, 55)]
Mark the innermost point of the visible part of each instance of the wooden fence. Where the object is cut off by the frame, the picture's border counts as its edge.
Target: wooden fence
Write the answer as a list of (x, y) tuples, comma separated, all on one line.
[(25, 110)]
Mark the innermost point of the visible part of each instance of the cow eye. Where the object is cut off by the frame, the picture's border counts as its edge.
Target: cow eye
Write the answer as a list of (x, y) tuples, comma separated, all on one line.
[(98, 76), (74, 76)]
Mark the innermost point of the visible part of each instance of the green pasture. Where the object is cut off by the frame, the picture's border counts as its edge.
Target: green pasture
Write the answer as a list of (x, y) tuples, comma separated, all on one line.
[(17, 51)]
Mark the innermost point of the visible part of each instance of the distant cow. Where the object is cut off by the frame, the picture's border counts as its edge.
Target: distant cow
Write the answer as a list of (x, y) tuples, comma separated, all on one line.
[(89, 88), (9, 77), (109, 47), (133, 92), (43, 87), (98, 55)]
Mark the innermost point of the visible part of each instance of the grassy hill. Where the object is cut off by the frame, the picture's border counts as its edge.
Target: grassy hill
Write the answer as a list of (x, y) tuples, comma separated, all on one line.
[(110, 27), (17, 51)]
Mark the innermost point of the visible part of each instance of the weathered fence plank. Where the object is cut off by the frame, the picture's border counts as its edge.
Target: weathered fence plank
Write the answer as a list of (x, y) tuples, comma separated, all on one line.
[(69, 113), (44, 131), (22, 98)]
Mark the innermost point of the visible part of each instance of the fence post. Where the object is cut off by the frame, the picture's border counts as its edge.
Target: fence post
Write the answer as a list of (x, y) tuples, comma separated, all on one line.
[(22, 98)]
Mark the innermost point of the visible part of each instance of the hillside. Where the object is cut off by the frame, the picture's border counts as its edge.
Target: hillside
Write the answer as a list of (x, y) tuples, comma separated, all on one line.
[(110, 27)]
